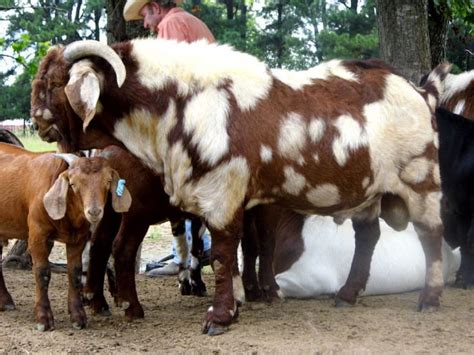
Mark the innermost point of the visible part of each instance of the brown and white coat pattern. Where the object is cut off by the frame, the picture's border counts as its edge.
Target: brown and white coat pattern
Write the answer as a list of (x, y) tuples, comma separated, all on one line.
[(227, 133)]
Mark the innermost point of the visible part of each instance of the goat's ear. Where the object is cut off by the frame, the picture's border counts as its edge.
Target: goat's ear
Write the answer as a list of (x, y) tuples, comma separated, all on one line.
[(55, 199), (121, 200), (83, 91)]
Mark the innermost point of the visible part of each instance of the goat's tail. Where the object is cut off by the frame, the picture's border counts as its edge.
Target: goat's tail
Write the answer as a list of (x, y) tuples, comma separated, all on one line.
[(434, 85)]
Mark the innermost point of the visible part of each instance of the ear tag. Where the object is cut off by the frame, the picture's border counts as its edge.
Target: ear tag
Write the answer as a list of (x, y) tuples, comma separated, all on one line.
[(120, 187)]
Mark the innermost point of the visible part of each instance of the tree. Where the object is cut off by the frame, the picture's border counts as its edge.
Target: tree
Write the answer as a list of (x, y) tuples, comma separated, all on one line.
[(403, 34)]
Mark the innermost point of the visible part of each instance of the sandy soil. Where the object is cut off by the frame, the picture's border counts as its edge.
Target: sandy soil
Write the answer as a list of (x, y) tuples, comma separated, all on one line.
[(172, 323)]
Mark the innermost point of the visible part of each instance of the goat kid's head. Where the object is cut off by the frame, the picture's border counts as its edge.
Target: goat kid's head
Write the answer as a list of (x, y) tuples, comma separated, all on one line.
[(67, 85), (89, 180)]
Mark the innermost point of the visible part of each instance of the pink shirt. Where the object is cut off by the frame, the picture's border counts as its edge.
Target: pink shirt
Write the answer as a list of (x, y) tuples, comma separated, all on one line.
[(182, 26)]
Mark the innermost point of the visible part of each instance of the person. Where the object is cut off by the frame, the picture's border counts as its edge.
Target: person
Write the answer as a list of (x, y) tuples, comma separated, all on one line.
[(168, 21)]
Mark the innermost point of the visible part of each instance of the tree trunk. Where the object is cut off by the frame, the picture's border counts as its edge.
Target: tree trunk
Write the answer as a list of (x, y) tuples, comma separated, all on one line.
[(279, 38), (403, 35), (117, 29), (438, 20)]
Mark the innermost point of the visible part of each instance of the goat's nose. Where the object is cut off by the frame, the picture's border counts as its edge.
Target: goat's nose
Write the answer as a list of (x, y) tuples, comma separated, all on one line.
[(35, 126), (94, 212)]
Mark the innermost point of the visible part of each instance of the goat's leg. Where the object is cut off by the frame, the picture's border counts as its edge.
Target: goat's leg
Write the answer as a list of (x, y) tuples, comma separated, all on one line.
[(178, 228), (6, 300), (74, 271), (431, 241), (101, 248), (367, 233), (266, 275), (224, 249), (38, 247), (465, 274), (198, 287), (125, 249), (250, 245)]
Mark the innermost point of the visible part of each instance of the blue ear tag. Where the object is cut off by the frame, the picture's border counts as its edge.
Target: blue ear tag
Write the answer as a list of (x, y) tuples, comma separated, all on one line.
[(120, 187)]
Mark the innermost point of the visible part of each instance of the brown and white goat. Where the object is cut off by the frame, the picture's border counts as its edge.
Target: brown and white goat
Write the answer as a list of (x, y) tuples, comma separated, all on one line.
[(458, 94), (227, 134), (122, 234), (42, 199)]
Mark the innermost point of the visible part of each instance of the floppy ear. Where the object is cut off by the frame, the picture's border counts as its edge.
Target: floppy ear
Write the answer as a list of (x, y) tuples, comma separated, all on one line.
[(83, 91), (119, 203), (55, 199)]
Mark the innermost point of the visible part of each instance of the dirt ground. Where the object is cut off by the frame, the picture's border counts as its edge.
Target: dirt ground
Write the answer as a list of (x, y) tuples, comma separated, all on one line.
[(172, 322)]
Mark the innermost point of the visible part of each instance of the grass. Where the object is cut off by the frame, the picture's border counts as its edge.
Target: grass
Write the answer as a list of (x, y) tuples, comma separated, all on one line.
[(34, 143)]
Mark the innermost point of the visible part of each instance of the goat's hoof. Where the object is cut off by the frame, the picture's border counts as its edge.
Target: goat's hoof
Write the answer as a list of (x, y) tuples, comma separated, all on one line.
[(44, 327), (340, 303), (185, 288), (134, 312), (104, 313), (216, 330), (79, 325), (199, 291)]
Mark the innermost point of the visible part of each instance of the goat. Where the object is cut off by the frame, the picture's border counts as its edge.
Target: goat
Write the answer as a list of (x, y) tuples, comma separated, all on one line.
[(456, 163), (42, 199), (312, 257), (228, 134), (458, 94), (122, 235)]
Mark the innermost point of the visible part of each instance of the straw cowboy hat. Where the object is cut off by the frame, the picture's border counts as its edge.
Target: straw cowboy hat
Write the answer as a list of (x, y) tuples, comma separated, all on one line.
[(131, 10)]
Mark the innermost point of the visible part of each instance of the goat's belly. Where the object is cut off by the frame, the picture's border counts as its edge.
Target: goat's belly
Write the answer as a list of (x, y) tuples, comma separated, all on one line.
[(398, 263), (12, 230)]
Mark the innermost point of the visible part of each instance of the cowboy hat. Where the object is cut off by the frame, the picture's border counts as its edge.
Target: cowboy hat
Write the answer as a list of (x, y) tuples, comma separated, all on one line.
[(132, 8)]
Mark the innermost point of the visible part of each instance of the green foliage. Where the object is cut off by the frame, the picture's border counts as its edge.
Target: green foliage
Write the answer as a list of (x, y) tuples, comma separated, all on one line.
[(350, 35), (460, 11)]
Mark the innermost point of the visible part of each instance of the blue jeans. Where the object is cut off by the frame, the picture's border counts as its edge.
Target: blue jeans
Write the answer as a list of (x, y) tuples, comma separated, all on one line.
[(206, 238)]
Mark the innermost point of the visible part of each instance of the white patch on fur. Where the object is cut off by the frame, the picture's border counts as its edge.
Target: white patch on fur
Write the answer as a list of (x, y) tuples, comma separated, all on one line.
[(39, 113), (294, 182), (292, 137), (297, 80), (205, 119), (316, 157), (258, 201), (316, 129), (238, 287), (47, 115), (200, 65), (436, 174), (459, 108), (416, 170), (182, 249), (266, 153), (365, 182), (150, 148), (455, 83), (324, 195), (436, 141), (351, 137), (194, 262), (398, 128), (217, 195), (178, 169)]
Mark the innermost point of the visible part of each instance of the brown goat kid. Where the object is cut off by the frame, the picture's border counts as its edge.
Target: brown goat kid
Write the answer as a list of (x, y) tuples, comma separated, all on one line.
[(122, 234), (42, 199), (231, 134)]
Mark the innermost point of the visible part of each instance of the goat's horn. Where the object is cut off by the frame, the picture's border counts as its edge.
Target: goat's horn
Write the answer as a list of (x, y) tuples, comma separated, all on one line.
[(67, 157), (81, 49)]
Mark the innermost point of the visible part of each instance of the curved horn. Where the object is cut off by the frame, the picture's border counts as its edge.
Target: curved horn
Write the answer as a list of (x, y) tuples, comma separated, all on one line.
[(67, 157), (81, 49)]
